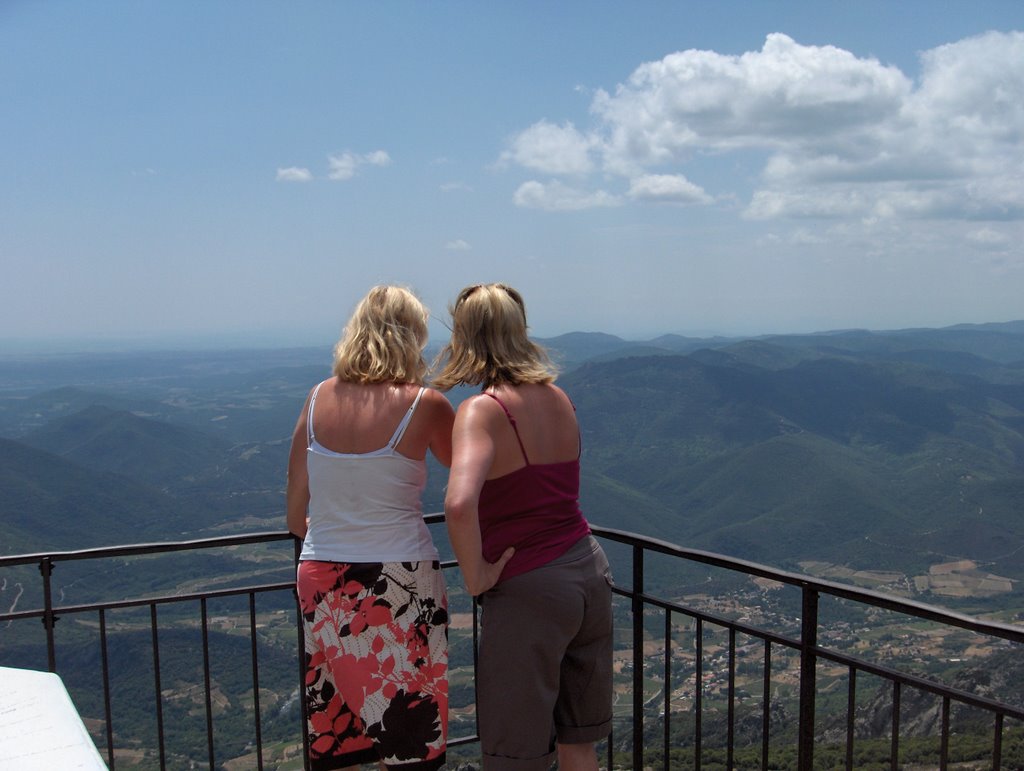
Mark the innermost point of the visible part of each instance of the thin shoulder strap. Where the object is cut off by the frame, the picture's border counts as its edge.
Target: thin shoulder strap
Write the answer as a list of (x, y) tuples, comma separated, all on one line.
[(400, 431), (310, 437), (512, 421)]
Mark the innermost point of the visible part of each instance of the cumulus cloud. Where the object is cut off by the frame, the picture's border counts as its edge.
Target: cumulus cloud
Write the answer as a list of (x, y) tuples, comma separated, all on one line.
[(378, 158), (784, 95), (674, 188), (556, 196), (341, 167), (552, 149), (344, 166), (841, 135), (458, 245), (294, 174)]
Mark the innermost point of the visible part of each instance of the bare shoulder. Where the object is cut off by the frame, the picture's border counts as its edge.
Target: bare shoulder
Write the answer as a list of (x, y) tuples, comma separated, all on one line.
[(562, 396), (556, 389), (436, 402), (479, 408)]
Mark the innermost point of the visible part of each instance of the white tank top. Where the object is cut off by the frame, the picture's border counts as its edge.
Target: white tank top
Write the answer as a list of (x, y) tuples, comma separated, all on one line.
[(366, 507)]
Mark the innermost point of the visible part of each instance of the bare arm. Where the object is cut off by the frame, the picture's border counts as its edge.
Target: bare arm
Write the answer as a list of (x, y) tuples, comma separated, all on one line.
[(297, 494), (472, 455), (442, 419)]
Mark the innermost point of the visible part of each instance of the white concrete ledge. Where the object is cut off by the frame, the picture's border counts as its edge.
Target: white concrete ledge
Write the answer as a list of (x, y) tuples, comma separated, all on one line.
[(40, 729)]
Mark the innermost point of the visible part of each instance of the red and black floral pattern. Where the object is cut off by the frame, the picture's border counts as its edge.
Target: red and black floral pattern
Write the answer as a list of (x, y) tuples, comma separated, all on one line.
[(376, 663)]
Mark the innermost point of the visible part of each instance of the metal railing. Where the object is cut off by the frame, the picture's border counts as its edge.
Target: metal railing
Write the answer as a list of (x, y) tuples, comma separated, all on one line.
[(650, 620), (809, 653)]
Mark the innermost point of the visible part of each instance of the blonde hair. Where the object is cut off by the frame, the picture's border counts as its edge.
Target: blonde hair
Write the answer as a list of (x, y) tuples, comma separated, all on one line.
[(489, 344), (384, 339)]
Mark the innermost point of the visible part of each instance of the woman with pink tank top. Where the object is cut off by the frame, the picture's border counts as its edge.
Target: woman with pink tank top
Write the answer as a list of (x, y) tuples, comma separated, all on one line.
[(374, 608), (544, 680)]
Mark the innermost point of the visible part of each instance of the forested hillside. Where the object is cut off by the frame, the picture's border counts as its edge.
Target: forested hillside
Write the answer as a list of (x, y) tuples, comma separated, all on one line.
[(873, 450), (856, 449)]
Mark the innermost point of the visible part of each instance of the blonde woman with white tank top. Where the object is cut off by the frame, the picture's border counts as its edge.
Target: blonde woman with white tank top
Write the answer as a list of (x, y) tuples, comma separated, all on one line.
[(369, 582)]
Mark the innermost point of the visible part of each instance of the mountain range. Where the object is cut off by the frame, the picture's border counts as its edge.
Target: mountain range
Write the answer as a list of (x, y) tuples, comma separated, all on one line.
[(892, 450)]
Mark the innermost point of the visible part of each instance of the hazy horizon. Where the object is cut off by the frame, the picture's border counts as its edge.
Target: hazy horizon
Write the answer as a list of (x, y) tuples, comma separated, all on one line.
[(282, 341)]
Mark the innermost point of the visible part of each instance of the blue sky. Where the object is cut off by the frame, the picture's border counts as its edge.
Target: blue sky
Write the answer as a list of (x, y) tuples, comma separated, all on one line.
[(241, 172)]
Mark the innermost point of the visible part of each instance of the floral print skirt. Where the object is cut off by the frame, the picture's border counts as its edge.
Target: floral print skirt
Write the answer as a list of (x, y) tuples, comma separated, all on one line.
[(376, 663)]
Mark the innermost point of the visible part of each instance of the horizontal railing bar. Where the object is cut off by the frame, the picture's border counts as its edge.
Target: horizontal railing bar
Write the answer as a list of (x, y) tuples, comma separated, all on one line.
[(916, 681), (20, 614), (163, 599), (157, 600), (760, 634), (859, 664), (160, 547), (866, 596), (910, 607)]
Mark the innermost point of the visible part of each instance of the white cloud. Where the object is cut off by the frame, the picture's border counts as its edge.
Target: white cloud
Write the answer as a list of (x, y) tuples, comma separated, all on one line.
[(344, 166), (674, 188), (378, 158), (552, 149), (842, 136), (988, 239), (458, 245), (769, 204), (785, 94), (556, 196), (294, 174)]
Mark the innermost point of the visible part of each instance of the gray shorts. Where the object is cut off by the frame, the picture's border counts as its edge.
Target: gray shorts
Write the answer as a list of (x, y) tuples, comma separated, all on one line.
[(545, 668)]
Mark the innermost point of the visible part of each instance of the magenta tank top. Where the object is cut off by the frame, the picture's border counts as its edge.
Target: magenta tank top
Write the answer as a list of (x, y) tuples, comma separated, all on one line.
[(535, 509)]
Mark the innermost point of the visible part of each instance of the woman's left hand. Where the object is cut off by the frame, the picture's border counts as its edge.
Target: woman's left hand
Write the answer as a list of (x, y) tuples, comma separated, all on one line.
[(488, 573)]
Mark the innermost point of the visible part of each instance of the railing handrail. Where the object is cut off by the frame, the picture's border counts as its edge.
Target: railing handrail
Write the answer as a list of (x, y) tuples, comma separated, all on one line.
[(806, 644), (156, 547), (1012, 632)]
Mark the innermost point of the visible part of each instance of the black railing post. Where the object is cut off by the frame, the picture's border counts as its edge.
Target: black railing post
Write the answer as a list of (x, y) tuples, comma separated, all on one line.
[(944, 739), (808, 675), (300, 632), (157, 686), (206, 682), (698, 694), (46, 568), (894, 752), (638, 657), (730, 731), (105, 661), (666, 745), (851, 716), (766, 701), (255, 682), (476, 669), (997, 743)]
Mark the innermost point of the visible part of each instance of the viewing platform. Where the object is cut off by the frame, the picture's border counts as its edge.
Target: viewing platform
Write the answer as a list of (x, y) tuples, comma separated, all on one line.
[(720, 663)]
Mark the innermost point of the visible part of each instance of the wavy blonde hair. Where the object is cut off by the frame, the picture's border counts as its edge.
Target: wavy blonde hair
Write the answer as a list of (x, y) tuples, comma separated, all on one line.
[(384, 339), (489, 345)]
